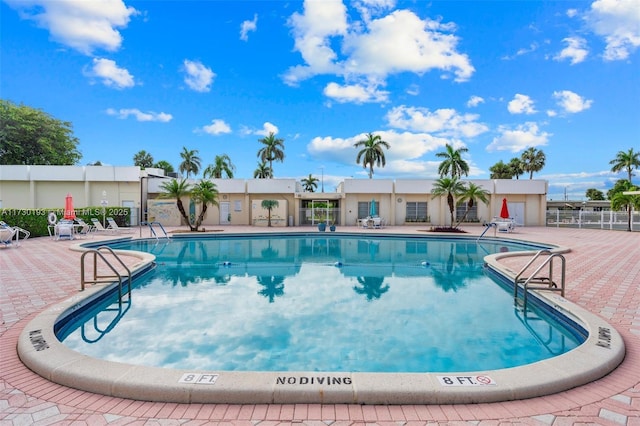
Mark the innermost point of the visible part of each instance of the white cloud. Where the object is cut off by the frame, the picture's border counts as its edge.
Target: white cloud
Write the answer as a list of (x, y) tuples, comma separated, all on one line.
[(139, 115), (521, 104), (409, 155), (410, 45), (575, 51), (247, 26), (312, 30), (198, 77), (356, 93), (518, 139), (217, 127), (572, 102), (330, 45), (81, 25), (618, 21), (369, 8), (110, 74), (443, 122), (474, 101), (266, 129)]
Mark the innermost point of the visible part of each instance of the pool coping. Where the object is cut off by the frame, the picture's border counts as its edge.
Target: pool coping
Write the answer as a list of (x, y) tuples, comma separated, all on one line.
[(40, 350)]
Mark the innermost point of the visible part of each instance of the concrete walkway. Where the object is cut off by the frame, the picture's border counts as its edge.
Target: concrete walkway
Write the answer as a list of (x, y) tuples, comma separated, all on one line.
[(603, 275)]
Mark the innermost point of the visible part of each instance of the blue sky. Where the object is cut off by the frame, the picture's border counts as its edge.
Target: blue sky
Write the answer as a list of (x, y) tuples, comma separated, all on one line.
[(496, 77)]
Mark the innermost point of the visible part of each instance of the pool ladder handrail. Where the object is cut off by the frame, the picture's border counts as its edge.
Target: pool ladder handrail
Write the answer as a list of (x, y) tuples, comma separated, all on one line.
[(104, 278), (153, 231), (535, 282)]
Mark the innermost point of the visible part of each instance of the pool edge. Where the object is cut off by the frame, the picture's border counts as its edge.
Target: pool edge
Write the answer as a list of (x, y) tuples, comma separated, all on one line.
[(39, 349)]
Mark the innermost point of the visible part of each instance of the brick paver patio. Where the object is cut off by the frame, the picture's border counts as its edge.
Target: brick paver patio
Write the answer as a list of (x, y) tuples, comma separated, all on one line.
[(603, 275)]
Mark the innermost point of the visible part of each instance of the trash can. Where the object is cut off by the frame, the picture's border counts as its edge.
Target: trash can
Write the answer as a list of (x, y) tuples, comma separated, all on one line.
[(290, 220)]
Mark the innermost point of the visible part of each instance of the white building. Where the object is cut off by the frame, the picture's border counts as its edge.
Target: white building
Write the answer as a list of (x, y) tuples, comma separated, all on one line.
[(399, 202)]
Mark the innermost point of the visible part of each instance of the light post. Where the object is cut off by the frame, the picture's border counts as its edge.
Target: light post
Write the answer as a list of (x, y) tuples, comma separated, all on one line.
[(104, 203), (322, 177)]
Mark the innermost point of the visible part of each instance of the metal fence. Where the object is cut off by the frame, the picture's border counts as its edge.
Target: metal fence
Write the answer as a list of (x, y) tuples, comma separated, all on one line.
[(593, 220)]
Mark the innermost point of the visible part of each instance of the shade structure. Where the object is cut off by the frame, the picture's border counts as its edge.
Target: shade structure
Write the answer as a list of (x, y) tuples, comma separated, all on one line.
[(372, 209), (69, 212), (504, 212)]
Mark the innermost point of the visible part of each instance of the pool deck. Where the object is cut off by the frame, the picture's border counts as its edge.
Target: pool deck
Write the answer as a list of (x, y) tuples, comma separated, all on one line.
[(603, 276)]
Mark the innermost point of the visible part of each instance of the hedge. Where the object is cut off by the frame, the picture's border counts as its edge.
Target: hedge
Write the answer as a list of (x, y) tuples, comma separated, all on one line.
[(36, 220)]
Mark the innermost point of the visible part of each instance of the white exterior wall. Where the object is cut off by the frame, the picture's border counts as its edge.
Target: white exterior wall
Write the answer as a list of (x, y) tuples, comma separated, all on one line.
[(47, 186)]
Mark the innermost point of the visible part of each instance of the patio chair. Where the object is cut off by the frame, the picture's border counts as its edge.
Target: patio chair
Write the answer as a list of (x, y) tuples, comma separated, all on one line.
[(19, 232), (505, 225), (114, 226), (83, 228), (98, 226), (7, 235), (64, 229)]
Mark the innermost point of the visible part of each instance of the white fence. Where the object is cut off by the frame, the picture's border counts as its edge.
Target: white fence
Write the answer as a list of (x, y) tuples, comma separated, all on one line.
[(594, 220)]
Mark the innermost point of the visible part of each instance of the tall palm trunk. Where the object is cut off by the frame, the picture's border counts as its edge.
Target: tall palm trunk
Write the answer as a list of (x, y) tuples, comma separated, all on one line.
[(184, 213)]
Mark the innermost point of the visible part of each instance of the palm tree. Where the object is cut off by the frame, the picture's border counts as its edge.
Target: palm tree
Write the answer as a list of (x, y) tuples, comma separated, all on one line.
[(626, 161), (190, 162), (273, 286), (620, 200), (310, 184), (517, 168), (204, 193), (263, 171), (143, 159), (372, 287), (177, 190), (472, 193), (221, 164), (164, 165), (453, 164), (452, 188), (533, 160), (371, 152), (269, 205), (273, 150), (500, 170)]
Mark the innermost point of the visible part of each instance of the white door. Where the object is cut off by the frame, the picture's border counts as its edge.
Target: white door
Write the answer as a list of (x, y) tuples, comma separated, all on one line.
[(133, 219), (224, 213), (516, 211)]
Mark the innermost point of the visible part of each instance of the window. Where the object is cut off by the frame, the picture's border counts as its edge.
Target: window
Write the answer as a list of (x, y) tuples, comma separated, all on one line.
[(416, 211), (472, 216)]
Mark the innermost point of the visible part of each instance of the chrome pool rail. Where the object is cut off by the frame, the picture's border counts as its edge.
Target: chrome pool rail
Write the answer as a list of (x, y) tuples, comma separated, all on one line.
[(534, 281)]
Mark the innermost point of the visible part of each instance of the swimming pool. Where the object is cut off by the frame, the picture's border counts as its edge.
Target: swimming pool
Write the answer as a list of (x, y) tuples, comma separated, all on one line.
[(602, 350), (312, 303)]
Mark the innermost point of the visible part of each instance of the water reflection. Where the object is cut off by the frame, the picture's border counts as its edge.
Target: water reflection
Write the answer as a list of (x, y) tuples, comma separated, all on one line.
[(232, 304), (372, 287), (273, 287)]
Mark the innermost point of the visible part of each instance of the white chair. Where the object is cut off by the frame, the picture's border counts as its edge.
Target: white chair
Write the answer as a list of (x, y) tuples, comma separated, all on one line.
[(505, 225), (64, 229), (114, 226), (83, 228), (7, 235)]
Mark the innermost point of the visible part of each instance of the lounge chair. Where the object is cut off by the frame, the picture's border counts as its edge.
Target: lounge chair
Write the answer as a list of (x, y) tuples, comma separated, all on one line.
[(21, 234), (114, 226), (98, 226), (83, 228), (7, 235)]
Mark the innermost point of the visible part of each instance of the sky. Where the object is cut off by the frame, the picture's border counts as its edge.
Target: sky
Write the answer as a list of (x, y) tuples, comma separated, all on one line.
[(495, 77)]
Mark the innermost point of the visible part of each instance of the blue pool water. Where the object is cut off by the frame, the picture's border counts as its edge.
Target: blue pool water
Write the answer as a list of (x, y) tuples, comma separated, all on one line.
[(317, 303)]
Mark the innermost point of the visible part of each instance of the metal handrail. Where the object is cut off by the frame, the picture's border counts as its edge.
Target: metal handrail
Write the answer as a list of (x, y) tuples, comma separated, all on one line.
[(533, 279), (104, 278), (153, 232)]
